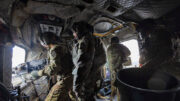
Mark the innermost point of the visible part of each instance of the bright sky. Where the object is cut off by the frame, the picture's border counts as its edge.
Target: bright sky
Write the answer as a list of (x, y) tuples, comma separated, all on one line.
[(18, 56), (133, 47)]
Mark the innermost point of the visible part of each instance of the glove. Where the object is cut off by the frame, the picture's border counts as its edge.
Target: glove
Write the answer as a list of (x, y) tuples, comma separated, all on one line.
[(35, 74), (40, 72)]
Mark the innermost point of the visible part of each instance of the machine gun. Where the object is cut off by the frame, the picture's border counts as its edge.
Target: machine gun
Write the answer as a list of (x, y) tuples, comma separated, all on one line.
[(26, 84), (32, 65)]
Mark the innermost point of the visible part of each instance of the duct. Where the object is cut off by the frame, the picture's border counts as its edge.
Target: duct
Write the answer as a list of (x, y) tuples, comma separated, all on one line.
[(100, 3), (20, 14), (61, 11), (95, 4), (118, 7), (155, 9), (108, 19), (18, 17), (114, 10), (103, 27), (66, 2), (29, 32), (4, 8), (127, 3), (104, 24), (113, 28)]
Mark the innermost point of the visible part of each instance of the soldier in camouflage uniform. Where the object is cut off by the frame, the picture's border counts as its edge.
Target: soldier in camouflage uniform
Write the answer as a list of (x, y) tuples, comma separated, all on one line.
[(88, 57), (117, 54), (60, 64), (156, 46), (159, 49)]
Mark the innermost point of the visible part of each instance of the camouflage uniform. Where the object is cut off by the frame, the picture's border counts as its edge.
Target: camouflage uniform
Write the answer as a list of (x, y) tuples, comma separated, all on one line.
[(159, 55), (60, 65), (98, 63), (88, 57), (92, 83), (116, 54)]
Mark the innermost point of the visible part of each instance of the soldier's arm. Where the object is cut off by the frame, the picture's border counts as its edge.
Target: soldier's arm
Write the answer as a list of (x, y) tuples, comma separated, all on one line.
[(48, 70), (109, 51)]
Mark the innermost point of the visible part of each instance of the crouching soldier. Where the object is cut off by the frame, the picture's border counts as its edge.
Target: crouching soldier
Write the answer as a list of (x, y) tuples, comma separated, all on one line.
[(60, 64)]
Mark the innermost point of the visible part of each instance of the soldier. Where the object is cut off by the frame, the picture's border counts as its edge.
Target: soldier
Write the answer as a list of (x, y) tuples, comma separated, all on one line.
[(60, 64), (92, 83), (160, 52), (117, 54), (88, 57), (157, 46)]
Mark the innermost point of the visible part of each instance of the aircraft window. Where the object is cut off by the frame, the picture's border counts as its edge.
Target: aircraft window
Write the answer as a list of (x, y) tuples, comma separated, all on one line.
[(18, 56), (134, 49)]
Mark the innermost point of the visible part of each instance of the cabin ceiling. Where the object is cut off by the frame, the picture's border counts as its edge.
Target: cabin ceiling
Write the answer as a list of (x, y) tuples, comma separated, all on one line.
[(121, 11), (135, 10)]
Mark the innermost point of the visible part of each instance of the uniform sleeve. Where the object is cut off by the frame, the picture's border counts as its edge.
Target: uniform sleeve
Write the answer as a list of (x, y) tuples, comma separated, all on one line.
[(112, 54), (55, 62), (109, 52)]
